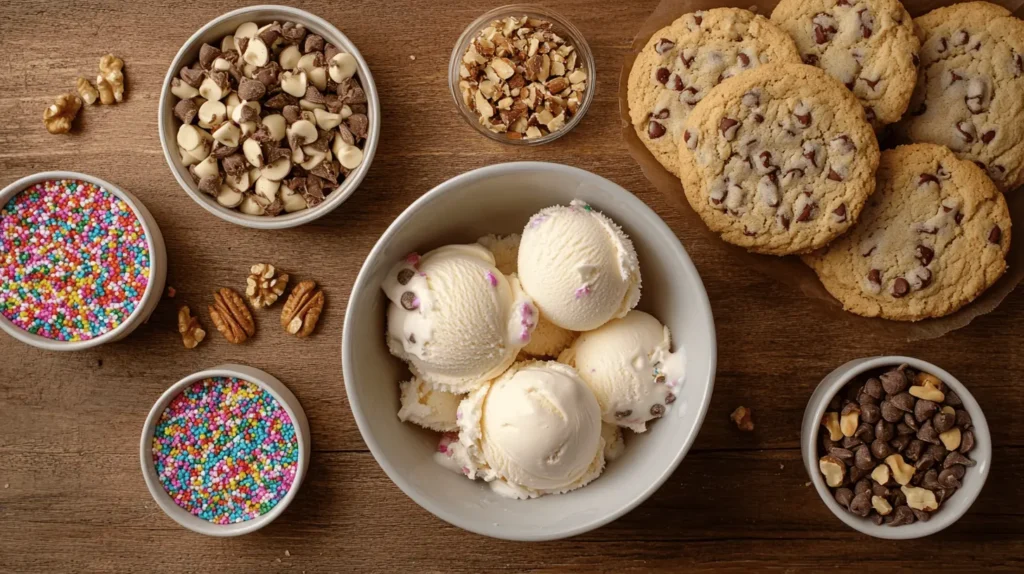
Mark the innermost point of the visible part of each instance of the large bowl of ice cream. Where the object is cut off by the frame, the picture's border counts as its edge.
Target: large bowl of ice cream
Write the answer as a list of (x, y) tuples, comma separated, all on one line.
[(406, 324)]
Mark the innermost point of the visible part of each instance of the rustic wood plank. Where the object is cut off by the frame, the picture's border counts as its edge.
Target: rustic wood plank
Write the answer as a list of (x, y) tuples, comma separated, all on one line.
[(69, 424)]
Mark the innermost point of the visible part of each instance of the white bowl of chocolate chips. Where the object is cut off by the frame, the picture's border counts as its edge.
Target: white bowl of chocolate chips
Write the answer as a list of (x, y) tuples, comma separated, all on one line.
[(896, 447)]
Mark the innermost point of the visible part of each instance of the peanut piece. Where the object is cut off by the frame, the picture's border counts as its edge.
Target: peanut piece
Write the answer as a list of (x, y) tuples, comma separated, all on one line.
[(881, 505), (901, 471), (833, 470), (880, 474), (951, 438), (920, 498), (831, 422), (927, 392)]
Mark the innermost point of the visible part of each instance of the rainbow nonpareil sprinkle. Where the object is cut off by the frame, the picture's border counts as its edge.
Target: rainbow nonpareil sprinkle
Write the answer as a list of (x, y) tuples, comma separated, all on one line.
[(74, 260), (225, 450)]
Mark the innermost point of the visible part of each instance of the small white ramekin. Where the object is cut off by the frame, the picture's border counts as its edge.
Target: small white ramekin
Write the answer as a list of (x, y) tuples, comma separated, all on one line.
[(212, 33), (953, 508), (281, 394), (157, 265)]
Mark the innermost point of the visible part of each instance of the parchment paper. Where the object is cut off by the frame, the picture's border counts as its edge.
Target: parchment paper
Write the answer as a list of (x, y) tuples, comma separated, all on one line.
[(790, 270)]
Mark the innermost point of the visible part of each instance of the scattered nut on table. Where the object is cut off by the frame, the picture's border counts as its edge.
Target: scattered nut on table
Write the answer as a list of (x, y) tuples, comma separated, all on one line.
[(522, 78), (264, 285), (893, 446), (302, 309), (110, 80), (87, 91), (273, 118), (59, 116), (231, 316), (742, 417), (191, 331)]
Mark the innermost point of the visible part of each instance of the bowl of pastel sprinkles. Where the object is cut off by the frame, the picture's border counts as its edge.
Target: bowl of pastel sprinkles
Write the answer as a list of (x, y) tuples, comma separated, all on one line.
[(224, 450), (82, 262)]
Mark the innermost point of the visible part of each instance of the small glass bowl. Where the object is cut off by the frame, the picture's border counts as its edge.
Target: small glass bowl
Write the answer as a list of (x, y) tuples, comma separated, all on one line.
[(563, 28)]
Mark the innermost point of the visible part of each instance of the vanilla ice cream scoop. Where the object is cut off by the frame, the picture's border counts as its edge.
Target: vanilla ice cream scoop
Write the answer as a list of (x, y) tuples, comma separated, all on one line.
[(455, 318), (628, 365), (578, 266), (428, 407), (535, 430)]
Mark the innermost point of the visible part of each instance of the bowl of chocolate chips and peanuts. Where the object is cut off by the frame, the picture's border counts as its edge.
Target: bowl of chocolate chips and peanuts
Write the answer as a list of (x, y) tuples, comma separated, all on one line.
[(269, 117), (895, 441)]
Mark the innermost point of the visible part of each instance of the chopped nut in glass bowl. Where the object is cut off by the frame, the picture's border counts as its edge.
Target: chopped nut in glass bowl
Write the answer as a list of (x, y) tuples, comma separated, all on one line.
[(269, 117), (522, 75)]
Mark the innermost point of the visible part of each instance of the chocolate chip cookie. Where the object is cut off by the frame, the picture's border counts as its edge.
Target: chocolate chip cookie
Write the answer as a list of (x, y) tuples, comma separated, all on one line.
[(682, 62), (970, 88), (778, 160), (868, 45), (932, 238)]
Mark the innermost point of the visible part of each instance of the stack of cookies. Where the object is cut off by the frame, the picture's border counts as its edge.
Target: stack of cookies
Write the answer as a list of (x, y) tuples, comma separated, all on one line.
[(771, 126)]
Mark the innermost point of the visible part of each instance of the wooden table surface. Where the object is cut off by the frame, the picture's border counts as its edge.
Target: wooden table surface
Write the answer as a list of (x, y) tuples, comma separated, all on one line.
[(72, 497)]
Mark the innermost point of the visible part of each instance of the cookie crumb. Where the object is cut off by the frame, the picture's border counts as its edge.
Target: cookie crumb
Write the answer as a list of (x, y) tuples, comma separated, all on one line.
[(808, 483), (742, 417), (286, 553), (171, 292), (411, 57)]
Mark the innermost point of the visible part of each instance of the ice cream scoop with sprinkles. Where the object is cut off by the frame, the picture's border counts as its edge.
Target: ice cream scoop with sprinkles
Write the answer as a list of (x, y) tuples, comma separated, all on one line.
[(225, 450), (74, 260)]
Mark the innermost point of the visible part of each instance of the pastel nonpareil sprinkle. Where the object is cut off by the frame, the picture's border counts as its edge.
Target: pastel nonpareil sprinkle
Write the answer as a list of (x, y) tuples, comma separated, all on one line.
[(74, 260), (225, 450)]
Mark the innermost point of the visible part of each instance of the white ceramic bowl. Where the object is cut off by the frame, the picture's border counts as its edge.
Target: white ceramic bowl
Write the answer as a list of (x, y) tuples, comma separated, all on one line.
[(500, 199), (157, 262), (212, 33), (280, 392), (953, 508)]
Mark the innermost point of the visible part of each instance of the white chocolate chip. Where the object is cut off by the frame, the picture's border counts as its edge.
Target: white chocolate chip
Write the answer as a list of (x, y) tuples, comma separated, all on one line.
[(182, 90), (277, 170), (211, 90), (211, 113), (190, 137), (294, 84), (307, 63), (289, 58), (342, 66), (206, 168), (314, 157), (245, 30), (276, 125), (326, 120), (186, 157), (231, 102), (221, 65), (256, 53), (267, 188), (252, 152), (304, 130), (227, 43), (228, 197), (228, 134), (240, 183), (236, 112), (348, 155), (250, 206), (292, 201), (318, 77), (310, 106)]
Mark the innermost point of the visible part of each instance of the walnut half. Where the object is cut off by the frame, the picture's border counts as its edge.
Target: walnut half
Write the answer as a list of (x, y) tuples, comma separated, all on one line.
[(302, 309), (58, 117), (265, 285), (191, 332)]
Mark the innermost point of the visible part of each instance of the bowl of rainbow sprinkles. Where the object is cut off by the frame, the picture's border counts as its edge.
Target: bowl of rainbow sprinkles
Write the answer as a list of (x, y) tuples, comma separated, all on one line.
[(82, 262)]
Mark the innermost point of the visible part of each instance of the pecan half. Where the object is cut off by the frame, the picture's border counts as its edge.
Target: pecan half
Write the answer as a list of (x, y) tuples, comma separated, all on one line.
[(302, 309), (231, 316)]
